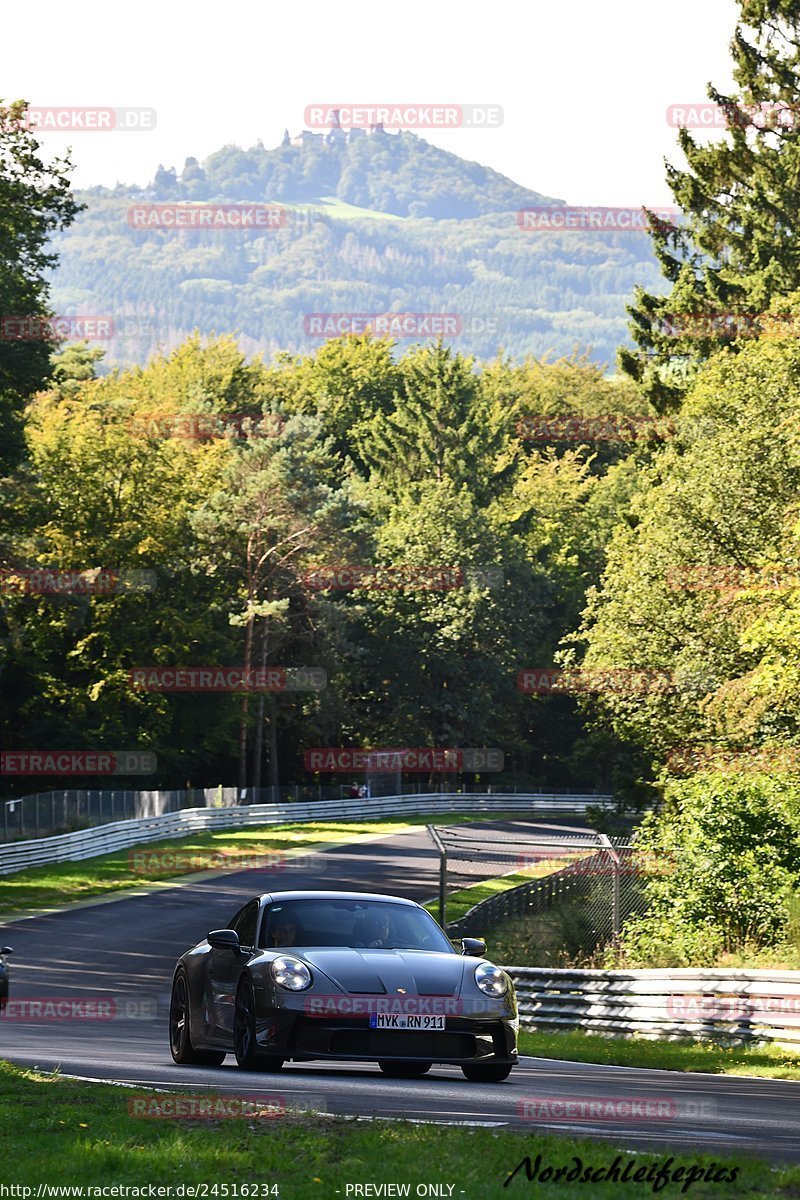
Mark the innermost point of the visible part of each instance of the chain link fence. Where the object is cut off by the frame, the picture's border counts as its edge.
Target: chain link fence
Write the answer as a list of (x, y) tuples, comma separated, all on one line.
[(572, 882), (45, 813)]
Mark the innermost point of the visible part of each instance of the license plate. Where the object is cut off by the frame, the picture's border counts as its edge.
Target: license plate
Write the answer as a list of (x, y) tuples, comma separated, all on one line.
[(405, 1021)]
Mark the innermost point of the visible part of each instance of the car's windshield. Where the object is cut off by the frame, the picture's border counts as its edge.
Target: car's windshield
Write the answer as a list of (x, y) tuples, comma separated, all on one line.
[(360, 924)]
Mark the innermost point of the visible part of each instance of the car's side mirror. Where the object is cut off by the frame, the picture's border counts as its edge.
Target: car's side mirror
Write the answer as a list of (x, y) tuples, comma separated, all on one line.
[(474, 946), (6, 950), (223, 939)]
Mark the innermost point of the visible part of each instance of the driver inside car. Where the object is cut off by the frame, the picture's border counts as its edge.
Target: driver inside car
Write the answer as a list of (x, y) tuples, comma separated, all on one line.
[(284, 932), (379, 934)]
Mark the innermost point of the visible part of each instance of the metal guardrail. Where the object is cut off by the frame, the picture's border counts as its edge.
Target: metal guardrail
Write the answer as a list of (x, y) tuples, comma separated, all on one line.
[(119, 835), (714, 1004), (42, 814)]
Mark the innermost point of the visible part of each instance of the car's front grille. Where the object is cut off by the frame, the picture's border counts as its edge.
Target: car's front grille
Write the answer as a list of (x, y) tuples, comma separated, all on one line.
[(460, 1041), (389, 1043)]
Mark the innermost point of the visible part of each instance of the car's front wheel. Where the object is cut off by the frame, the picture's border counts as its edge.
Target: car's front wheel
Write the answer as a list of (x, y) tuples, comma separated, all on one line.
[(404, 1070), (180, 1041), (245, 1046), (487, 1072)]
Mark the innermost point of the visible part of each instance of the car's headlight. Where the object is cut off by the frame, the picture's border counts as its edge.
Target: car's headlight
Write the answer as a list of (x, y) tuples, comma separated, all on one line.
[(291, 973), (491, 980)]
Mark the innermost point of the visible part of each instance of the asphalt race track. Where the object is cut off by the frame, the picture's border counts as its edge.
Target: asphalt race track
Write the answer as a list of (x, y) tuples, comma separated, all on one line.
[(127, 949)]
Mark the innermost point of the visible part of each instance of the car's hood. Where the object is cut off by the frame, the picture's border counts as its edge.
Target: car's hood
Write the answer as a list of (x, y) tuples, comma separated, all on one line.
[(385, 972)]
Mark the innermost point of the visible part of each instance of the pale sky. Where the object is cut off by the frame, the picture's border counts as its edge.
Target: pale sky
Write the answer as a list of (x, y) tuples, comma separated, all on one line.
[(584, 86)]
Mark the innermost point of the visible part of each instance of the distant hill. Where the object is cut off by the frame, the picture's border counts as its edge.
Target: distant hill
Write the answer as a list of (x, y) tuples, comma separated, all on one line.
[(400, 174), (375, 223)]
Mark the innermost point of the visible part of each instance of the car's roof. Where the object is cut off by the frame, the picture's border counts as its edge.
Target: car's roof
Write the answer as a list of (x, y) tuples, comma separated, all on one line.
[(313, 894)]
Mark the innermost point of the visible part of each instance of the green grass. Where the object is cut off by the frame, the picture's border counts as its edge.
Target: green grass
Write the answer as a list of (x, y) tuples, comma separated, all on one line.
[(60, 1131), (63, 883), (773, 1062), (460, 902), (335, 207), (60, 883)]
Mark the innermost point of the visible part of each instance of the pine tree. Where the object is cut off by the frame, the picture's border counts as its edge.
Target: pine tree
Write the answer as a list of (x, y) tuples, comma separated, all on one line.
[(442, 427), (35, 202), (735, 249)]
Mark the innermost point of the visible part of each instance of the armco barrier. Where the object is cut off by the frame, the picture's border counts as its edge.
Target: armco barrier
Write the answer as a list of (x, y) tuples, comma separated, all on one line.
[(104, 839), (714, 1004)]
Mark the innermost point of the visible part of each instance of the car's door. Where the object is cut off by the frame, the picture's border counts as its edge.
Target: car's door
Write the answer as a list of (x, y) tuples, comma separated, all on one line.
[(225, 967)]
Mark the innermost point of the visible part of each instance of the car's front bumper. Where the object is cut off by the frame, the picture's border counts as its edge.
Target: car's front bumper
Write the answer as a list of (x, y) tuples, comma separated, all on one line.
[(291, 1035)]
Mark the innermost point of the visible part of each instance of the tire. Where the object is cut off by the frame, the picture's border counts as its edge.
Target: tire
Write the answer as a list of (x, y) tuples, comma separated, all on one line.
[(487, 1072), (180, 1039), (404, 1070), (244, 1033)]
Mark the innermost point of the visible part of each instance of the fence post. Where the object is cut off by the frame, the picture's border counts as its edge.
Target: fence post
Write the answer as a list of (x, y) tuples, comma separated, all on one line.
[(437, 841), (615, 905)]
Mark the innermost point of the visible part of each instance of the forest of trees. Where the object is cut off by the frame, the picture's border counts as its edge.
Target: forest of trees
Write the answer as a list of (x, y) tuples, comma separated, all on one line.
[(350, 457), (400, 174), (643, 557)]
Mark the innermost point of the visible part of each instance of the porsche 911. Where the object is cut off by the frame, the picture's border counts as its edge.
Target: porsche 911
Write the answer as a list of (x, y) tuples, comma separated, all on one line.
[(298, 976)]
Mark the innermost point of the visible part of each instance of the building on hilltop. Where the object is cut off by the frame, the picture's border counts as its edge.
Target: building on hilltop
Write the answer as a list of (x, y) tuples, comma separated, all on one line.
[(333, 136)]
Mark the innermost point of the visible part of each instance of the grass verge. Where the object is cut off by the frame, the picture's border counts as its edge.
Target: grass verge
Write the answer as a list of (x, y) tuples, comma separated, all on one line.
[(773, 1062), (154, 862), (461, 901), (63, 1132)]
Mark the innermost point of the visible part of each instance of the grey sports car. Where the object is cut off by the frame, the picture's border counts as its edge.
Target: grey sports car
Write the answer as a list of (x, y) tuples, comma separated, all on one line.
[(342, 975)]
